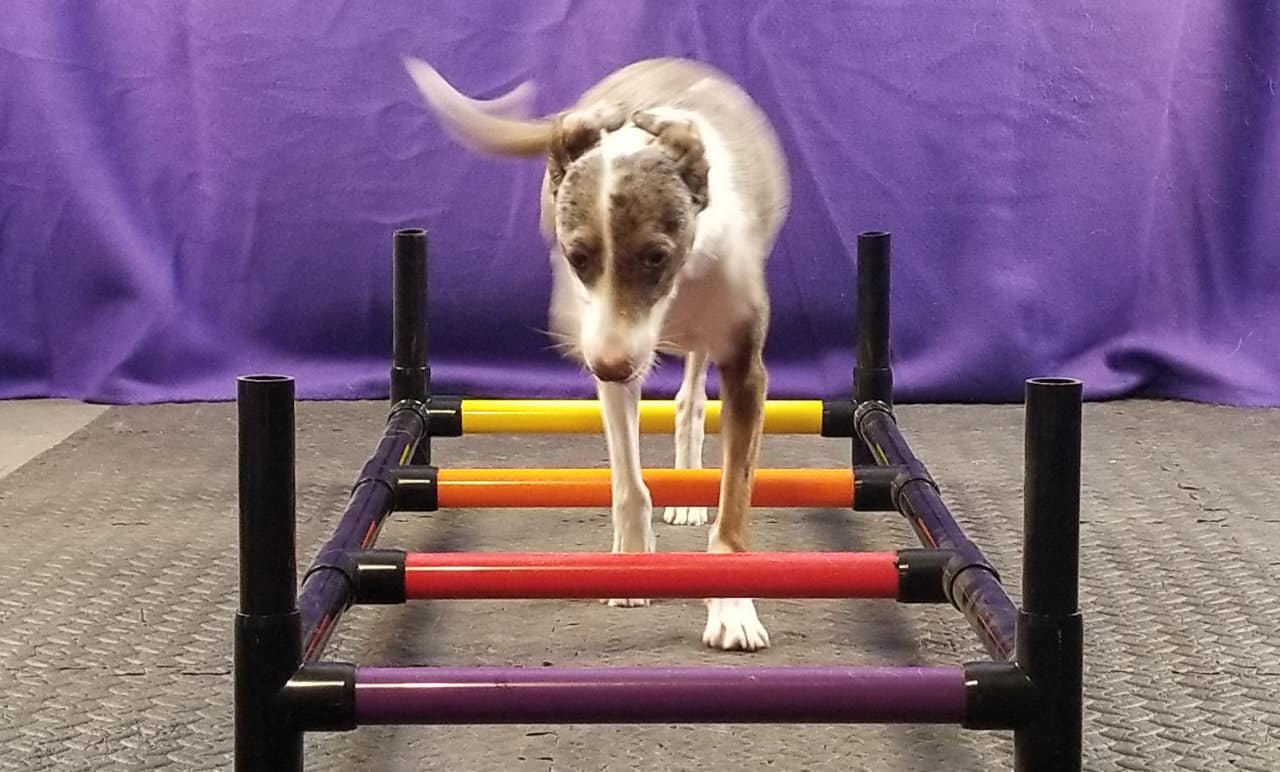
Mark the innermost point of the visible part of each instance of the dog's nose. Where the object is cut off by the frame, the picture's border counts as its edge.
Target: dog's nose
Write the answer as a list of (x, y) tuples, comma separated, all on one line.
[(613, 368)]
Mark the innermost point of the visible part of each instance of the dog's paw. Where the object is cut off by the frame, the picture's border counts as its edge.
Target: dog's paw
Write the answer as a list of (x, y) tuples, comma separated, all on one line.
[(732, 625), (644, 541), (685, 515)]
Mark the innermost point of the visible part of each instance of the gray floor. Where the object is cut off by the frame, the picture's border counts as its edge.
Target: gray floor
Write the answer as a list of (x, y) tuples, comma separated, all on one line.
[(30, 427), (117, 592)]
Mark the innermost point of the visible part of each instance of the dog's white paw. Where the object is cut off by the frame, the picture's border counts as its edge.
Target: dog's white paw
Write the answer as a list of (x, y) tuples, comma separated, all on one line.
[(685, 515), (732, 625), (641, 540)]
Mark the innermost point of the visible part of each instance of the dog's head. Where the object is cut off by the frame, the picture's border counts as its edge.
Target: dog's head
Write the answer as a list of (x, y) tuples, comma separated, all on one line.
[(627, 192)]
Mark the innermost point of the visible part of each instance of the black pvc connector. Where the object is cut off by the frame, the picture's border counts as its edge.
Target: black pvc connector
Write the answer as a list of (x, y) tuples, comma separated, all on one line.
[(379, 576), (921, 575), (414, 407), (415, 489), (267, 632), (873, 488), (321, 697), (998, 695), (837, 418), (266, 654), (444, 416)]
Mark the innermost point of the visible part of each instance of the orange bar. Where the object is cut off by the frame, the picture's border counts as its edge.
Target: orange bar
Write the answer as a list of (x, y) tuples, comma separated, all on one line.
[(484, 488)]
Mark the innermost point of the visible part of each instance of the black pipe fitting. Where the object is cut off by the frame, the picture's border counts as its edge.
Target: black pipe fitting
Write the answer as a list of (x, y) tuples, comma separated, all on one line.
[(321, 697), (910, 469), (873, 488), (378, 577), (415, 489), (837, 418), (415, 407), (921, 576), (444, 417), (998, 695)]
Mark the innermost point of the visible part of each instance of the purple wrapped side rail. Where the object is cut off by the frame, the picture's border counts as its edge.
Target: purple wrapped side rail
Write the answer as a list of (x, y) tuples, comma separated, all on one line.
[(498, 695)]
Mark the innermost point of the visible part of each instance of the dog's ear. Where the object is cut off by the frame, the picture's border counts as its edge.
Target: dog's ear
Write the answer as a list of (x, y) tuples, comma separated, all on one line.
[(574, 133), (681, 142)]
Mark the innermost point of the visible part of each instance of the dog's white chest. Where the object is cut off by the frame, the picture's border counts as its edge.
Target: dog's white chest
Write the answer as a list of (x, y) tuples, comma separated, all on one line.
[(706, 314)]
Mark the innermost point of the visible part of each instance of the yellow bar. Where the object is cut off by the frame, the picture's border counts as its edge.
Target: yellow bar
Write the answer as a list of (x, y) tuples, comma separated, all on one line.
[(582, 416)]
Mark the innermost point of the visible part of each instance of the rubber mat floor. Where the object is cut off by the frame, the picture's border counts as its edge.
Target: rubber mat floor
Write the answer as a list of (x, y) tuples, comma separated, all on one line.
[(118, 568)]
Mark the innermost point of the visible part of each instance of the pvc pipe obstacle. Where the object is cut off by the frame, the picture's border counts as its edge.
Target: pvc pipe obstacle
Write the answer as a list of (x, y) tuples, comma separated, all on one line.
[(426, 488), (460, 488), (283, 688), (569, 416), (659, 575), (615, 695)]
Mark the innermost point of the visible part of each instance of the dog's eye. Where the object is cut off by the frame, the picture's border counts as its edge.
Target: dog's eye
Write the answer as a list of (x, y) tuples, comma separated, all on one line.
[(578, 259), (655, 258)]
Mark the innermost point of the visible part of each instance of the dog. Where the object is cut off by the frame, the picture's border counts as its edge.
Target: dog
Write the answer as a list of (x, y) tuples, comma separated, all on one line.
[(664, 192)]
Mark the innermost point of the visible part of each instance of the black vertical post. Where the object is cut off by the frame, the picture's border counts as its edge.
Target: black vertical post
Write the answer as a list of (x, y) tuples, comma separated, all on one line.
[(268, 635), (410, 375), (872, 373), (1050, 632)]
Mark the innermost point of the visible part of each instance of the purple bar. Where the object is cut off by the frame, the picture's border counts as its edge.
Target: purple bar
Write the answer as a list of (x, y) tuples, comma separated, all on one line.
[(730, 695), (975, 586)]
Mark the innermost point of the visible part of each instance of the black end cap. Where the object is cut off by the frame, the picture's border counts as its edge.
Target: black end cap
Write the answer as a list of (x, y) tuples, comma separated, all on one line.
[(998, 695), (321, 697), (837, 418), (873, 488), (921, 576), (379, 577), (444, 417), (414, 489)]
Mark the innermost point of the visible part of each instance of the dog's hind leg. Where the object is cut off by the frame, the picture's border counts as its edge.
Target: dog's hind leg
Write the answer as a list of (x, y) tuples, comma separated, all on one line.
[(732, 623), (632, 505), (691, 407)]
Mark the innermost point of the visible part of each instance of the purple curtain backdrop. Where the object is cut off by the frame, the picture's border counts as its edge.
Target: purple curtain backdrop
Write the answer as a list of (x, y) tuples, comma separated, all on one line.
[(193, 190)]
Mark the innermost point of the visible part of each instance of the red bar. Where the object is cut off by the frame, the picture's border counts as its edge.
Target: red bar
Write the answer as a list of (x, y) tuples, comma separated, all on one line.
[(590, 575)]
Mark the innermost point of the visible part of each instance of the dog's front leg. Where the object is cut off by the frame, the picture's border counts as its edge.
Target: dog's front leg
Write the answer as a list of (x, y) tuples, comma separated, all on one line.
[(732, 622), (632, 506), (691, 403)]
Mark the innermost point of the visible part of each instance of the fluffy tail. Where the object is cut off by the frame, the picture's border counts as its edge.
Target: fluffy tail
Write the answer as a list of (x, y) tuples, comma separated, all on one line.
[(487, 126)]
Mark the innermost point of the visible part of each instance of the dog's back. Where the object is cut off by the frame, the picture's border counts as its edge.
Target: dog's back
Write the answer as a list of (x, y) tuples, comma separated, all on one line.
[(755, 164)]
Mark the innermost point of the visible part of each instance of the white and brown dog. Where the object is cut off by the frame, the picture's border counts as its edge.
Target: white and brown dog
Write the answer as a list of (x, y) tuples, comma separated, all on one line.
[(664, 192)]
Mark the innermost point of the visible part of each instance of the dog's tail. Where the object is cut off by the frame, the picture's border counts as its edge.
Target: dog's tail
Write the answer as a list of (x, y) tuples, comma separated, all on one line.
[(490, 126)]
